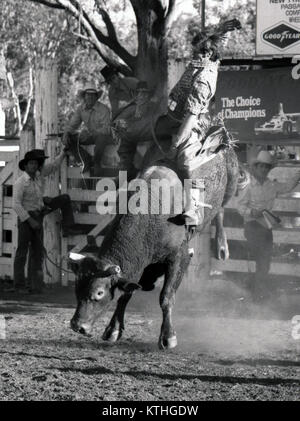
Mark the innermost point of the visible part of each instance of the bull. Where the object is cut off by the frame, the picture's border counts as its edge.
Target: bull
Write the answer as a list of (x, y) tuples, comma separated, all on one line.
[(139, 249)]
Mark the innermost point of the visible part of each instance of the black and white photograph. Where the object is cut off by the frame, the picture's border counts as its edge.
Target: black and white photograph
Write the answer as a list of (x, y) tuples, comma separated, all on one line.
[(149, 203)]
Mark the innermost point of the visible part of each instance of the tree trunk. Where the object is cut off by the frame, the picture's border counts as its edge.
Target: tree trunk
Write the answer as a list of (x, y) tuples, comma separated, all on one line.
[(152, 63), (26, 143), (46, 123)]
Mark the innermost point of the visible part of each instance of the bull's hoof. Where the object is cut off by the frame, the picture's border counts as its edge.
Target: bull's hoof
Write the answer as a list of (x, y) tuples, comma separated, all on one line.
[(111, 335), (167, 343)]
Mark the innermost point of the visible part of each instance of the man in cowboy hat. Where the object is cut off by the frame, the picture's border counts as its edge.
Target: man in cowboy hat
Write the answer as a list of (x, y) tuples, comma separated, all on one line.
[(30, 205), (95, 117), (187, 120), (133, 123), (255, 206), (122, 90)]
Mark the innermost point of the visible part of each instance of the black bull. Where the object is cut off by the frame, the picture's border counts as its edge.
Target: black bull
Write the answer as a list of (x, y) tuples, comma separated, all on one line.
[(138, 249)]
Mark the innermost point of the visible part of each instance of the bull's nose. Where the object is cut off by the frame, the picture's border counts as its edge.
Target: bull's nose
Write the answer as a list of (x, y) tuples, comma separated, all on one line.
[(83, 328)]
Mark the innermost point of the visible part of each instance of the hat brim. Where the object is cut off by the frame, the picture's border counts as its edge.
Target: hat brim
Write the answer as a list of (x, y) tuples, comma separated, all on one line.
[(24, 161), (81, 92), (256, 161)]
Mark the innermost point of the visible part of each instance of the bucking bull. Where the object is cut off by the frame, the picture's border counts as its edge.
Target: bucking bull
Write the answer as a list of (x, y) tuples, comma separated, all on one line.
[(138, 249)]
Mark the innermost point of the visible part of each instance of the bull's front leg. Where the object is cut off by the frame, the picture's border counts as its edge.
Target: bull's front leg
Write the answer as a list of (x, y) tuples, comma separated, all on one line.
[(173, 278), (114, 329), (222, 250)]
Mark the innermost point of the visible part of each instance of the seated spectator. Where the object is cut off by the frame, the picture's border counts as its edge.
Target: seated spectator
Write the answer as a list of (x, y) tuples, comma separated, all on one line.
[(255, 205), (122, 90), (133, 124), (95, 118)]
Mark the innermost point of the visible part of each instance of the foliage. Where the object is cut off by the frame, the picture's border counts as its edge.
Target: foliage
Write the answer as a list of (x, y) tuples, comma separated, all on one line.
[(29, 30), (240, 43)]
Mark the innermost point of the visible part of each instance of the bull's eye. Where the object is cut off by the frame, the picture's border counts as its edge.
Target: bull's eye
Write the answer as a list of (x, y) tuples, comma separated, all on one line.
[(98, 294)]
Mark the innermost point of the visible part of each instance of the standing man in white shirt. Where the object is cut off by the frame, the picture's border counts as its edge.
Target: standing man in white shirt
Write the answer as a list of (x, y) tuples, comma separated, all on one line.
[(31, 205), (256, 206)]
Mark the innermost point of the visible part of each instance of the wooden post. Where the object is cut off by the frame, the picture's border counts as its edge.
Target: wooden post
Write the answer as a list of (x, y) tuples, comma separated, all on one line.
[(46, 123), (16, 174), (26, 143), (64, 240), (2, 120), (1, 218)]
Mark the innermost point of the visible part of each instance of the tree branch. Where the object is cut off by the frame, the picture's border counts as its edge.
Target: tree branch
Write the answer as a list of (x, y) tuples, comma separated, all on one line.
[(108, 23), (98, 38), (29, 99), (94, 33), (48, 4)]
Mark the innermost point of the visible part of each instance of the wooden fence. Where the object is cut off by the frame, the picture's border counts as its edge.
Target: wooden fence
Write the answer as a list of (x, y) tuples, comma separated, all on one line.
[(84, 196), (8, 218)]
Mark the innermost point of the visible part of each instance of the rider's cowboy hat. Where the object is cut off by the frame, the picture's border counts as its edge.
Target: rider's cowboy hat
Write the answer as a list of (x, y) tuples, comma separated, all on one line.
[(89, 88), (264, 157), (33, 155), (107, 72)]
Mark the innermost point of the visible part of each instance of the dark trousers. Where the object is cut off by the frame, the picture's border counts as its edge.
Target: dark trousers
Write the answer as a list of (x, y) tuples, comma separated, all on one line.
[(62, 202), (32, 240), (29, 239), (260, 245), (80, 154)]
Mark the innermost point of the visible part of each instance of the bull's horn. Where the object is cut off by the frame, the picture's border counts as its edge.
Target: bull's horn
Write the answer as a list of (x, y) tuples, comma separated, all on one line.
[(76, 256)]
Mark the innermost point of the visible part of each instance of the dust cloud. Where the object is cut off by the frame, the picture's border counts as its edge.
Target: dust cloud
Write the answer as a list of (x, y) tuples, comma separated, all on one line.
[(220, 317)]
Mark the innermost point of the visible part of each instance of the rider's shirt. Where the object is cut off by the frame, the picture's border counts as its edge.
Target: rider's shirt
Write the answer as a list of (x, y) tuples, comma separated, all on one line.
[(194, 90)]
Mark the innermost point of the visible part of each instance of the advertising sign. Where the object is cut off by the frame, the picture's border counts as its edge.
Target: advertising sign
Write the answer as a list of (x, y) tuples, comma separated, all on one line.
[(278, 27), (260, 104)]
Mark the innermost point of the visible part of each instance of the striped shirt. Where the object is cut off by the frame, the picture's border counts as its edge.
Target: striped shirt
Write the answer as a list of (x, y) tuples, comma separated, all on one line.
[(194, 90)]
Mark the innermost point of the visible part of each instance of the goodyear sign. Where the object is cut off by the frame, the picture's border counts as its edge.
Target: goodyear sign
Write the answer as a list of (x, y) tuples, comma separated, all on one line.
[(278, 27), (260, 103)]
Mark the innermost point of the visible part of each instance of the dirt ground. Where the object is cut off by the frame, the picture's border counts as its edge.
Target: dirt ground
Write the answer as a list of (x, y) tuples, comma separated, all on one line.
[(228, 349)]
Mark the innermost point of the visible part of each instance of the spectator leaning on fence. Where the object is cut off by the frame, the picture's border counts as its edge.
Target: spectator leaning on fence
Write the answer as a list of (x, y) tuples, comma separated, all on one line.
[(255, 205), (95, 118), (31, 206)]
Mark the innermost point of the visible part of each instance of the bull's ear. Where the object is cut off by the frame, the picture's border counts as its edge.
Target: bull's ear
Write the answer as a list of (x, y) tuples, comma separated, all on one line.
[(126, 286), (75, 261)]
